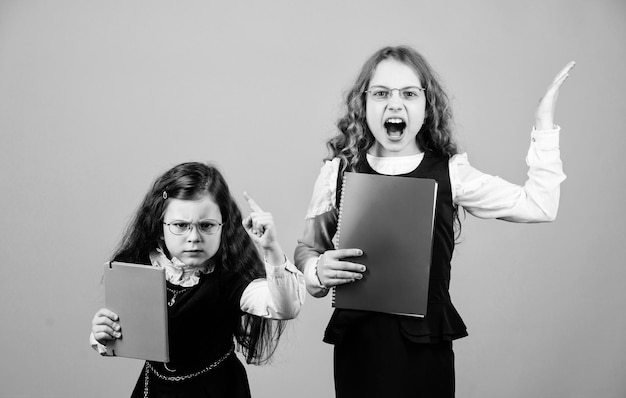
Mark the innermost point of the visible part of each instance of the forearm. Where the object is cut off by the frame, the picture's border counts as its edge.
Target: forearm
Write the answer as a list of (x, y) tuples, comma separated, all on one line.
[(308, 264), (274, 255), (320, 227), (278, 296), (315, 241), (488, 196)]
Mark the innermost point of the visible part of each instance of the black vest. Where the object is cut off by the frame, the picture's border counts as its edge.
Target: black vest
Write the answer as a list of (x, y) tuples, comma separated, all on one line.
[(442, 321)]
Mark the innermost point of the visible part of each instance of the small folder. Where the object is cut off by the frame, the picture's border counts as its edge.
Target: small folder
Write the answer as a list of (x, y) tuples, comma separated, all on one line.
[(391, 219), (138, 295)]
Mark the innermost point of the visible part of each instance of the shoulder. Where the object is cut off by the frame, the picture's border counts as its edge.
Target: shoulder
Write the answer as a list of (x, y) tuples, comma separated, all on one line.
[(325, 188), (460, 159), (330, 168), (458, 168)]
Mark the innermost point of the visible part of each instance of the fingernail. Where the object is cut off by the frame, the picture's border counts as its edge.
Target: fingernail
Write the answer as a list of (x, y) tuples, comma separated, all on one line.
[(363, 269), (359, 276)]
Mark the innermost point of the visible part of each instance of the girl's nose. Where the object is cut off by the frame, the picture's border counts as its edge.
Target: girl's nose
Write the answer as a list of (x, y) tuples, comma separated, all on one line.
[(395, 102), (394, 106), (194, 234)]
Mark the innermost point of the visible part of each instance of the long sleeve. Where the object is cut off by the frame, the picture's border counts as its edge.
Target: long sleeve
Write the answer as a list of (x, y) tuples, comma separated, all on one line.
[(100, 348), (279, 295), (487, 196), (320, 227), (481, 194)]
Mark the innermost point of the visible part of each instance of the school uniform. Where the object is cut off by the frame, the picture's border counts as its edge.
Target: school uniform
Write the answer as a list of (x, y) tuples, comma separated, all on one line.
[(380, 354), (204, 312)]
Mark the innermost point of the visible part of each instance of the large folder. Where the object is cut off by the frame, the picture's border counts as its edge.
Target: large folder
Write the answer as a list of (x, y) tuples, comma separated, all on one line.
[(391, 219), (138, 295)]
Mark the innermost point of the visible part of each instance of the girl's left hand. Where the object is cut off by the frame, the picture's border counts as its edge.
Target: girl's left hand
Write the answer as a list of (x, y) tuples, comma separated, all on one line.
[(260, 227), (544, 115)]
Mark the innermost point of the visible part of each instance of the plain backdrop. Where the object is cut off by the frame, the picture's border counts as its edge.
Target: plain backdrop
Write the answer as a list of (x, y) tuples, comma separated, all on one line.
[(97, 98)]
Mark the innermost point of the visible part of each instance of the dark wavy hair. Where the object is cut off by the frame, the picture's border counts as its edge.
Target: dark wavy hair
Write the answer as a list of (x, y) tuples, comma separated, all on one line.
[(355, 138), (256, 337)]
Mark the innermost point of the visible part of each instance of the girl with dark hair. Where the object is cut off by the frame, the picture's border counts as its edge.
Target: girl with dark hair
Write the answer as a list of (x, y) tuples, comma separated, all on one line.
[(220, 290), (398, 122)]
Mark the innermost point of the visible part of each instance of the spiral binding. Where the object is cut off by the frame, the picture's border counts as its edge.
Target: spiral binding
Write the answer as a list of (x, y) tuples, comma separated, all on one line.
[(341, 196), (336, 237)]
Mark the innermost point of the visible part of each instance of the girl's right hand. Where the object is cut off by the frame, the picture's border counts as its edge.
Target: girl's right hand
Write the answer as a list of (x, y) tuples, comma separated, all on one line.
[(104, 326), (333, 271)]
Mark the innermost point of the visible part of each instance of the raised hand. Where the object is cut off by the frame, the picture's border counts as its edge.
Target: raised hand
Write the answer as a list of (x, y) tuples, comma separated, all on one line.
[(260, 227), (544, 115)]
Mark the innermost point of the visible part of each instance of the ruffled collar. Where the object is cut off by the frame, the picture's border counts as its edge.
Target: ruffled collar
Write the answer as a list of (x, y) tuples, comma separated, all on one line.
[(176, 272)]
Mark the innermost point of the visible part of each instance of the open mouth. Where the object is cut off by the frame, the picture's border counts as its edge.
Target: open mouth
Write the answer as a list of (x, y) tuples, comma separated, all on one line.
[(395, 127)]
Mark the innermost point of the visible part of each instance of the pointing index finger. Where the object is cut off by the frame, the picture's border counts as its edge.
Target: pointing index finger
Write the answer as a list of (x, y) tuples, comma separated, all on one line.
[(253, 205)]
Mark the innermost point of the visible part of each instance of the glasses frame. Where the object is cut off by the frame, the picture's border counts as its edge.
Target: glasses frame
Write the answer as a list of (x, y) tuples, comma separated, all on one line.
[(193, 224), (391, 90)]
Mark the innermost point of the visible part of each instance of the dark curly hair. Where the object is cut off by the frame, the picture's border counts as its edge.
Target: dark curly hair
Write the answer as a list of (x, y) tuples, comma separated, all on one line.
[(257, 337)]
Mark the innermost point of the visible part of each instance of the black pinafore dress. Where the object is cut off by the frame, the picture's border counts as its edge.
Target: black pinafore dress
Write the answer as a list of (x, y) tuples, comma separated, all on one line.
[(385, 355)]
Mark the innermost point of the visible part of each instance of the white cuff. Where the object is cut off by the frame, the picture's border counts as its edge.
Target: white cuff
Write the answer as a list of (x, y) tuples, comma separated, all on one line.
[(545, 139), (102, 349), (313, 284)]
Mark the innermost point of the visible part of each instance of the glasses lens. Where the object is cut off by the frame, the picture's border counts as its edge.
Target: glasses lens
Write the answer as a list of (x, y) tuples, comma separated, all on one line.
[(410, 93), (378, 93), (208, 227), (179, 227)]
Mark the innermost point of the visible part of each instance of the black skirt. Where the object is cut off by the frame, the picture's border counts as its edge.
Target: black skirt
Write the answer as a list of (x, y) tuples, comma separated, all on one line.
[(375, 359)]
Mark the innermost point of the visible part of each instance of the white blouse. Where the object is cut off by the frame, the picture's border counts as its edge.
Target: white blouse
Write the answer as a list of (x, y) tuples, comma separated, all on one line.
[(482, 195)]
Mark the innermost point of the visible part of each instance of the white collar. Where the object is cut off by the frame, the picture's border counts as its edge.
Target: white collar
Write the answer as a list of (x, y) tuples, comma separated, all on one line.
[(394, 165), (176, 272)]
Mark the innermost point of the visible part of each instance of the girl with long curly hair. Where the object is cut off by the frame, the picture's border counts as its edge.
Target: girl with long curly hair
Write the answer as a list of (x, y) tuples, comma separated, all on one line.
[(221, 293), (398, 122)]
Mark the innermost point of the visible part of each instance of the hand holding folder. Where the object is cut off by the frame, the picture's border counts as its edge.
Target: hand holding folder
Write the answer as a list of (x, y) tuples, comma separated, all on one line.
[(336, 267)]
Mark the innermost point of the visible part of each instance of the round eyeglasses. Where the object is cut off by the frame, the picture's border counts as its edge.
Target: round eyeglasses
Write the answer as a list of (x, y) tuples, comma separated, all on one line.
[(382, 93), (205, 227)]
